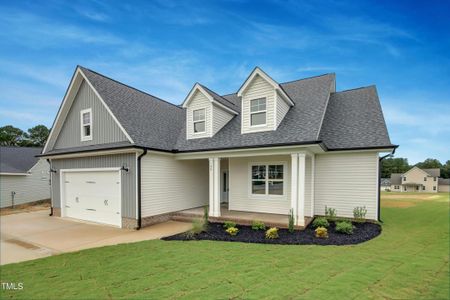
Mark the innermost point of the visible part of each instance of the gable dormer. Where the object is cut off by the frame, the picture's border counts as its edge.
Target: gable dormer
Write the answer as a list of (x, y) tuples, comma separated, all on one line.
[(206, 112), (264, 103)]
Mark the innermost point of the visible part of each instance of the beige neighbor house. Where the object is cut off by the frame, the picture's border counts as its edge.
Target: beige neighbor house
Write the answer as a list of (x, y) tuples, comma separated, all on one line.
[(419, 180), (23, 177), (123, 157)]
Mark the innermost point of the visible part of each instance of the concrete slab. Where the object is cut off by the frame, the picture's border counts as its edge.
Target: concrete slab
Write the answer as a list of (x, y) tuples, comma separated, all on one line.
[(31, 235)]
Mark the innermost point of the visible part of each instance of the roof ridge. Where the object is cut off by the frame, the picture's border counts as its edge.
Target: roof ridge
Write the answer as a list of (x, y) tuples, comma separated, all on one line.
[(306, 78), (354, 89), (209, 90), (129, 86)]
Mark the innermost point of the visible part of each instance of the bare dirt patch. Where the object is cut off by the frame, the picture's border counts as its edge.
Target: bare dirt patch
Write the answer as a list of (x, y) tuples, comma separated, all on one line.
[(398, 204), (410, 196), (29, 207)]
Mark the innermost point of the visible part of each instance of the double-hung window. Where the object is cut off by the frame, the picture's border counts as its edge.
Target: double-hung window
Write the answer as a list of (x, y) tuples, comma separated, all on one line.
[(199, 119), (267, 179), (86, 124), (258, 112)]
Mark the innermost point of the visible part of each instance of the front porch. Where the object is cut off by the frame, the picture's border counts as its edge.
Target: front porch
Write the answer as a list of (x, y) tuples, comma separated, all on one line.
[(239, 217)]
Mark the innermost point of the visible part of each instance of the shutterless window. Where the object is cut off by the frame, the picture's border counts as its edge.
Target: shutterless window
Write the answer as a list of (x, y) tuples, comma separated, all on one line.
[(258, 112), (424, 179), (267, 179), (199, 118), (434, 188), (86, 124), (434, 178), (404, 178)]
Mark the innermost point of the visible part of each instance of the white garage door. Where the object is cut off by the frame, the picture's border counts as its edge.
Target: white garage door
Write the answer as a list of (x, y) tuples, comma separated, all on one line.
[(92, 196)]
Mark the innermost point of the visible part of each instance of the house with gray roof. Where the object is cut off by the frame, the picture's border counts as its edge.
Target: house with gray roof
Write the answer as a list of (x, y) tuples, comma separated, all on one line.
[(123, 157), (419, 180), (24, 178)]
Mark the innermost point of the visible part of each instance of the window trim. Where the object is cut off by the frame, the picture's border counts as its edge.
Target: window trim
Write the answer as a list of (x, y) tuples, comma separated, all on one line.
[(266, 195), (85, 138), (258, 112), (198, 121)]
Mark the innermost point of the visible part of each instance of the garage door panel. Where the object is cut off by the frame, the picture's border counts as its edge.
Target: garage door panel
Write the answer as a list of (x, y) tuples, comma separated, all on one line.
[(93, 196)]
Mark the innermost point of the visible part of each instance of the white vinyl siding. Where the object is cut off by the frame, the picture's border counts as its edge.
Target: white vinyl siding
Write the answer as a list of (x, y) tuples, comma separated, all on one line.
[(240, 197), (257, 89), (346, 180), (282, 109), (220, 118), (29, 188), (199, 101), (170, 185)]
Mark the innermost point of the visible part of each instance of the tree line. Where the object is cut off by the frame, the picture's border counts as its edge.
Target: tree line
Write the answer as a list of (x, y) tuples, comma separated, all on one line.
[(401, 165), (33, 137)]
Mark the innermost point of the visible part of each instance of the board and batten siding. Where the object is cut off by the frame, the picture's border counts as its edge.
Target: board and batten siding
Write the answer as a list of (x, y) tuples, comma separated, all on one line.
[(199, 101), (128, 179), (282, 109), (104, 129), (220, 118), (28, 188), (170, 185), (346, 180), (240, 197), (258, 88)]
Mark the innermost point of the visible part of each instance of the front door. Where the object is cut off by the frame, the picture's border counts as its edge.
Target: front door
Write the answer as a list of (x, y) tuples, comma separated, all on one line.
[(224, 186)]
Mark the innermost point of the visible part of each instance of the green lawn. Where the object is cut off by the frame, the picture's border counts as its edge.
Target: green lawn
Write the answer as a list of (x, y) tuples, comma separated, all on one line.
[(408, 261)]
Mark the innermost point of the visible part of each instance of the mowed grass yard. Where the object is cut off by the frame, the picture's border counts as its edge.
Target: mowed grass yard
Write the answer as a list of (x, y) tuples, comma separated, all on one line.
[(409, 260)]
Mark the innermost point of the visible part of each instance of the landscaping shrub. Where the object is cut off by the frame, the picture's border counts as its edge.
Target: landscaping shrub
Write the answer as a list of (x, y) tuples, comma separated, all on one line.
[(344, 227), (258, 225), (198, 226), (320, 222), (229, 224), (330, 213), (359, 213), (321, 232), (272, 233), (291, 220), (232, 230)]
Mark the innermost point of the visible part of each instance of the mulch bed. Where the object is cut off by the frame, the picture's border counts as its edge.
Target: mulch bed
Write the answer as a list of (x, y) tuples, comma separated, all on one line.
[(216, 232)]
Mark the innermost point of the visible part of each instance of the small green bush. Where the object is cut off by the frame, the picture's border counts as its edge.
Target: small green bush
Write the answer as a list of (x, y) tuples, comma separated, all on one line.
[(229, 224), (344, 227), (321, 232), (359, 213), (205, 214), (330, 213), (291, 220), (198, 226), (272, 233), (258, 225), (320, 222), (232, 231)]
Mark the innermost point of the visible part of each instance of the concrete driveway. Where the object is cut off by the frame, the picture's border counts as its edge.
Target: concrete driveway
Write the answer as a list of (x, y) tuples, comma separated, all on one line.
[(31, 235)]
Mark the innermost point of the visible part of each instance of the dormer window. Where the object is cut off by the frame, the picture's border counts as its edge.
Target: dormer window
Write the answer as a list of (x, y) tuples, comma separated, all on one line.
[(86, 124), (258, 112), (199, 119)]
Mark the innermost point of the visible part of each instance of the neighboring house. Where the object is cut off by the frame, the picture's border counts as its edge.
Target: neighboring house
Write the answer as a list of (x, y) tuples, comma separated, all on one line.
[(24, 178), (417, 180), (385, 184), (123, 157), (443, 185)]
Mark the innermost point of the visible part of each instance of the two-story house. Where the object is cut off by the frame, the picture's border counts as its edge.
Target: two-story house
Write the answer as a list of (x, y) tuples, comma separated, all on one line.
[(123, 157), (416, 180)]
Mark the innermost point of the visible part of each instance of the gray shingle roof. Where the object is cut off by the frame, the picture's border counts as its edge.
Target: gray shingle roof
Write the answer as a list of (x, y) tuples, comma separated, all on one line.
[(396, 178), (230, 104), (350, 118), (433, 172), (385, 182), (18, 159), (354, 119), (443, 181)]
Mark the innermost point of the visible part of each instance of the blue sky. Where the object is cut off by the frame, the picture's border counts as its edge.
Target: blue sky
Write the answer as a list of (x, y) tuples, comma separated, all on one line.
[(164, 47)]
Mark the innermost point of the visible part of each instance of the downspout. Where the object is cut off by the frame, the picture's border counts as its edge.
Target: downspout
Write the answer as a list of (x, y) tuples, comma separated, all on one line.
[(51, 187), (379, 182), (139, 188)]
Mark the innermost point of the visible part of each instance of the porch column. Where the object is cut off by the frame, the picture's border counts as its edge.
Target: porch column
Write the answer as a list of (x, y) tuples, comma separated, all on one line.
[(298, 176), (214, 187), (313, 174), (301, 188)]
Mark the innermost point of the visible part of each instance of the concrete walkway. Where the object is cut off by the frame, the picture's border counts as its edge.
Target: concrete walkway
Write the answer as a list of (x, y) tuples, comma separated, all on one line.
[(31, 235)]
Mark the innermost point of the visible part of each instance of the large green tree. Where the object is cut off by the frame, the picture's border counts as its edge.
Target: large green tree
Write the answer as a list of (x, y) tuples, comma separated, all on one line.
[(11, 136), (445, 170), (429, 163), (394, 165), (37, 135)]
